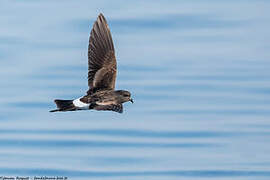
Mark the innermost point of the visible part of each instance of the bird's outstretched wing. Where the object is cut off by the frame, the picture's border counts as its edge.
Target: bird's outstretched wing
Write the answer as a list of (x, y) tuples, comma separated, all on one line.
[(101, 57)]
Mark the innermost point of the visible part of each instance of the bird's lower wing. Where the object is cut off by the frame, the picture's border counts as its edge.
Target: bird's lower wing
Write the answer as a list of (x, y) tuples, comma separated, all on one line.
[(113, 107)]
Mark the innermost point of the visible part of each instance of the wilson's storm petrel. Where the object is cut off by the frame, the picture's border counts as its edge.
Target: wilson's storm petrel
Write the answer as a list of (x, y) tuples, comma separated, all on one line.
[(101, 75)]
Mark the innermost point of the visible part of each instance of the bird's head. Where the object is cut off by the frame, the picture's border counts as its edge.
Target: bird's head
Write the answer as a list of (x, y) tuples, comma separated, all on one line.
[(124, 96)]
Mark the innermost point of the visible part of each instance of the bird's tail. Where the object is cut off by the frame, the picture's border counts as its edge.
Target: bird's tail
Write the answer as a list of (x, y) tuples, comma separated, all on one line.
[(64, 105)]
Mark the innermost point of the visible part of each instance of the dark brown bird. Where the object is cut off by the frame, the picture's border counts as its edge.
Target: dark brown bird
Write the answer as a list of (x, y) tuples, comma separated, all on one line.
[(101, 75)]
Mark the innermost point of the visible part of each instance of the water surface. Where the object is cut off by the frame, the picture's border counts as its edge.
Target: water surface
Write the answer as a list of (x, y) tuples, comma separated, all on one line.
[(198, 72)]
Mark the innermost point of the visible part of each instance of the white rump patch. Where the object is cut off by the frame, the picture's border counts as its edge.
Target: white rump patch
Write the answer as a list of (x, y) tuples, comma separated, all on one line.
[(79, 104)]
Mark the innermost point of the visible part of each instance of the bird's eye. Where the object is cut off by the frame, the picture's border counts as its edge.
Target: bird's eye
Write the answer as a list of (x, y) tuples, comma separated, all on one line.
[(126, 95)]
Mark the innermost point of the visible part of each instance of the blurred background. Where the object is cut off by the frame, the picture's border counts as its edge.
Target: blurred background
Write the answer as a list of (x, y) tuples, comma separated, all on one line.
[(198, 72)]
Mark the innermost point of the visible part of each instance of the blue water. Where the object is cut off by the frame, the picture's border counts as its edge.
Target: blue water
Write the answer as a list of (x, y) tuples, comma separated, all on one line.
[(198, 72)]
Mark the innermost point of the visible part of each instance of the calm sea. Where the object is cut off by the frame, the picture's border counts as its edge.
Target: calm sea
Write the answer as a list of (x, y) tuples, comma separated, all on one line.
[(198, 71)]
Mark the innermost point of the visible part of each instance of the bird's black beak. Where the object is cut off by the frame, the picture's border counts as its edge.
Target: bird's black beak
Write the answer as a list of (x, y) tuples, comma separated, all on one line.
[(131, 100)]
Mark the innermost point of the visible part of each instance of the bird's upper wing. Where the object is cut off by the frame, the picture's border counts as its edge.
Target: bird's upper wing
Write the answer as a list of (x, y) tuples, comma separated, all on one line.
[(101, 57)]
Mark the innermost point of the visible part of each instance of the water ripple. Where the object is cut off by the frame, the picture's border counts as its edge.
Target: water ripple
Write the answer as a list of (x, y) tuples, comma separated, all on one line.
[(178, 173), (183, 21), (126, 133), (98, 144)]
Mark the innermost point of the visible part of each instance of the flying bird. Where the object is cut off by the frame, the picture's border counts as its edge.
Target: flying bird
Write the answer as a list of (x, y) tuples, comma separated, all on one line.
[(101, 75)]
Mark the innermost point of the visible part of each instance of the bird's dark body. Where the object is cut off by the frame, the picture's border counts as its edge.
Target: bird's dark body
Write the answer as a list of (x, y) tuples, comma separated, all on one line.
[(105, 100), (105, 96), (102, 69)]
